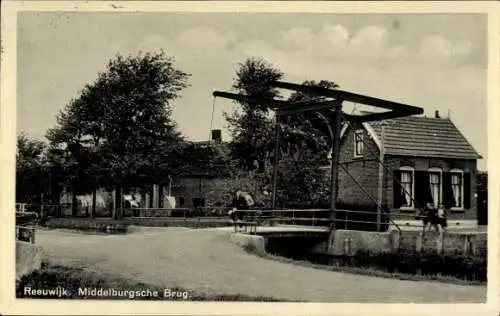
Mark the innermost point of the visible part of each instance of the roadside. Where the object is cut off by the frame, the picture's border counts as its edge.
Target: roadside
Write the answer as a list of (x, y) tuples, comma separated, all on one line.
[(206, 261)]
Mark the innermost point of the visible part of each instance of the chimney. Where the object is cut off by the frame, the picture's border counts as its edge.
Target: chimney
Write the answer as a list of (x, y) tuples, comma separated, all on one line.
[(216, 136), (437, 114)]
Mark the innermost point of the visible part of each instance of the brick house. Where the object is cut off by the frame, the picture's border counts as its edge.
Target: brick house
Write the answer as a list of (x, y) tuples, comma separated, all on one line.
[(191, 186), (431, 159)]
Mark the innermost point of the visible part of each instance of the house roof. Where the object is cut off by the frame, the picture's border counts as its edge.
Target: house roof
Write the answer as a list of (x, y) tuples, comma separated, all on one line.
[(423, 136), (206, 169)]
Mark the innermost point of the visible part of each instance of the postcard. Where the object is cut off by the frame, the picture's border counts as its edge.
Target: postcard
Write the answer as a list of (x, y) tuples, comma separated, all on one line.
[(253, 158)]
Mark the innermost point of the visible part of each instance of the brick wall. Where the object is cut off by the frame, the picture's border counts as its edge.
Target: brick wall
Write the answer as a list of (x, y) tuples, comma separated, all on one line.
[(366, 171), (468, 166), (363, 170)]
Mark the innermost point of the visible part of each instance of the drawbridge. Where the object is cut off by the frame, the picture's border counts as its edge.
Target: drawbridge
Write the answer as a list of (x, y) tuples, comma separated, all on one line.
[(327, 107)]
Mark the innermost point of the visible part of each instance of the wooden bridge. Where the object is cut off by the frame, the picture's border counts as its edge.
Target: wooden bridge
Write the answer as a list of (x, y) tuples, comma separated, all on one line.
[(291, 231)]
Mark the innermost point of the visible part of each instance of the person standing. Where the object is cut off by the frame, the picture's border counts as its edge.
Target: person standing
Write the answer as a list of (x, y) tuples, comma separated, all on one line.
[(429, 215), (242, 201), (441, 219)]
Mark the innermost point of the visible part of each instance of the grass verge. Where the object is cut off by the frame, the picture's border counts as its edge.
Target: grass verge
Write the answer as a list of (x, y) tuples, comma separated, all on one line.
[(367, 271), (75, 281)]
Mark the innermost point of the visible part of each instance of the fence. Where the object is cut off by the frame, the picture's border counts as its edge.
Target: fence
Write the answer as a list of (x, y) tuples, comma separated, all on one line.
[(24, 218), (344, 219), (25, 233)]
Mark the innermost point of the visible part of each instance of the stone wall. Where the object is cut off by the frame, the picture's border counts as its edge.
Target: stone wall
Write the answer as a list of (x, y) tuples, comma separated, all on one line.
[(348, 242), (28, 258), (250, 242)]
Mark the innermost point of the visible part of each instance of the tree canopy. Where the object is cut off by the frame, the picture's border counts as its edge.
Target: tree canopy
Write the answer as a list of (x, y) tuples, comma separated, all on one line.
[(304, 140), (120, 127), (30, 169), (251, 125)]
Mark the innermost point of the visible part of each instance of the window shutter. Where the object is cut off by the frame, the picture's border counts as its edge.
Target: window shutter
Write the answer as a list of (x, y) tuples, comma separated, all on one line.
[(422, 189), (448, 199), (396, 189), (467, 188)]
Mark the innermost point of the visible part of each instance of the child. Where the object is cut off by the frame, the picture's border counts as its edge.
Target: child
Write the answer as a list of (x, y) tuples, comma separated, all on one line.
[(441, 221), (429, 215)]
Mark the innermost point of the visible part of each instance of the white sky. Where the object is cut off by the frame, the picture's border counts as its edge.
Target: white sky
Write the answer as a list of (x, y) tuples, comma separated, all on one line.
[(437, 62)]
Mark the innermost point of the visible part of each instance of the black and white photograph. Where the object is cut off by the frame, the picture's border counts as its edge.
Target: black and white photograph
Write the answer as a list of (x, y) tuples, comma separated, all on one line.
[(248, 156)]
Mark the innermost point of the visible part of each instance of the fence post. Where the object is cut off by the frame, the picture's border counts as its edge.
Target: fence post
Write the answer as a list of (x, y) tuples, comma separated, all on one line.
[(395, 240), (472, 246), (439, 243), (419, 241), (346, 247), (32, 239), (466, 245)]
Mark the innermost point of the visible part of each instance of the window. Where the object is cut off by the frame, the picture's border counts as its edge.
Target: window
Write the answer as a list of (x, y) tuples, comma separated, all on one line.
[(457, 188), (435, 181), (407, 187), (358, 143)]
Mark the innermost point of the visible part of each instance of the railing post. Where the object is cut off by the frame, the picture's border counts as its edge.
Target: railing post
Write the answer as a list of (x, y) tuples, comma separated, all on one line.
[(32, 239), (419, 240), (439, 243)]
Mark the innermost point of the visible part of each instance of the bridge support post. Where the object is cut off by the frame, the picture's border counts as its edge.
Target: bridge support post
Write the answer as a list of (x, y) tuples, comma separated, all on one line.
[(277, 137), (337, 124)]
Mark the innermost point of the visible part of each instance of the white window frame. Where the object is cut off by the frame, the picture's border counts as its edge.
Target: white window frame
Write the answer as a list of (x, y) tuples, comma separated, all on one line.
[(356, 132), (412, 171), (440, 171), (461, 172)]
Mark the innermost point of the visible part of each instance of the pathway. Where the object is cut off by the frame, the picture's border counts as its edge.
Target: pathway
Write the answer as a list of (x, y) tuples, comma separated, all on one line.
[(206, 260)]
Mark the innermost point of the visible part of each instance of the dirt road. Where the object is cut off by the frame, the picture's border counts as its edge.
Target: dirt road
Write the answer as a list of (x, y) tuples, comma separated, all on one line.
[(206, 261)]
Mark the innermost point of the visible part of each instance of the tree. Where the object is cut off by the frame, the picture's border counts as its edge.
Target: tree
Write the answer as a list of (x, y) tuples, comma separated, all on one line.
[(30, 170), (304, 137), (251, 126), (119, 130)]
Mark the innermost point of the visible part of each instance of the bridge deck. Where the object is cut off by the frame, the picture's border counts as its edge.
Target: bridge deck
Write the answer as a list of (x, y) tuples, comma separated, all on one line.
[(291, 230)]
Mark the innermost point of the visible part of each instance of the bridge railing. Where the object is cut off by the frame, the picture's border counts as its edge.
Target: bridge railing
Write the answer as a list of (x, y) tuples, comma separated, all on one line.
[(344, 219)]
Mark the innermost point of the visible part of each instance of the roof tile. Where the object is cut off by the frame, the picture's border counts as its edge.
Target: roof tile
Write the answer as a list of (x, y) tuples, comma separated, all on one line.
[(424, 136)]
